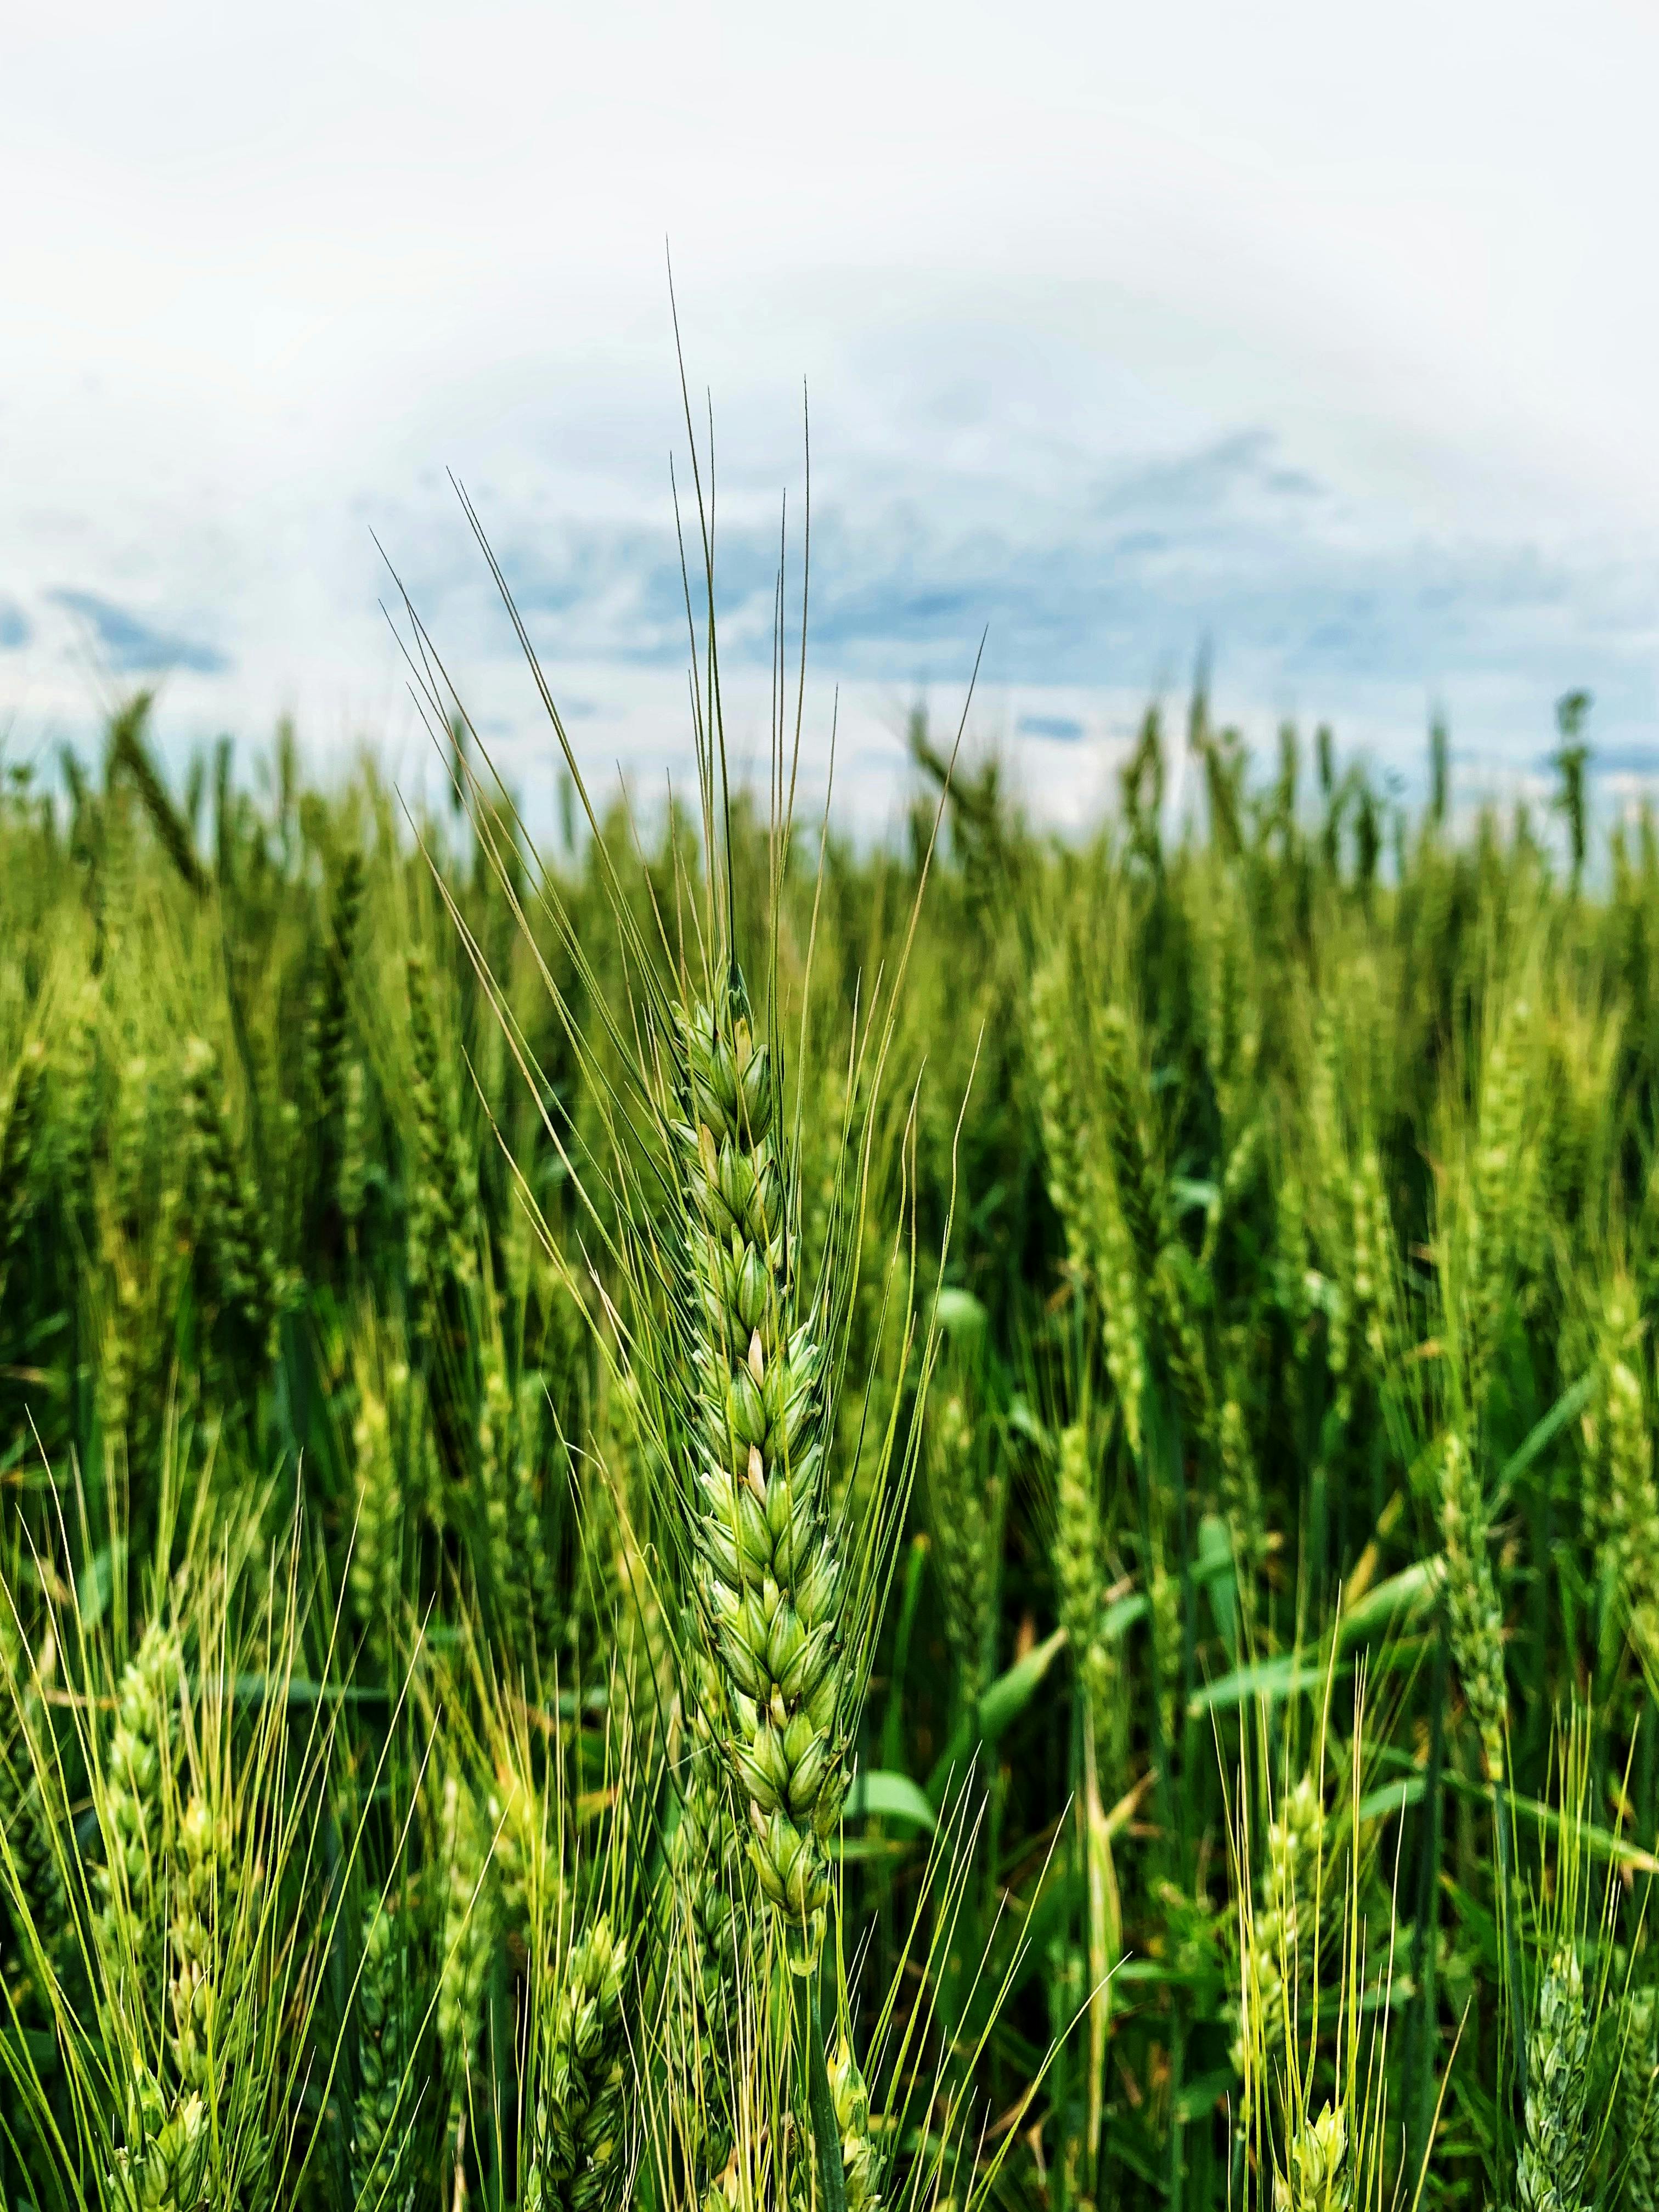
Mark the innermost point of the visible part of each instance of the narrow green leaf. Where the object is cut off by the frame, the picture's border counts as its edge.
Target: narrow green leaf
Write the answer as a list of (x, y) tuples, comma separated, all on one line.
[(1543, 1433), (1002, 1705), (1214, 1567), (93, 1589), (883, 1794), (1601, 1843), (1400, 1599), (1121, 1616), (1281, 1677), (1009, 1695), (1391, 1797)]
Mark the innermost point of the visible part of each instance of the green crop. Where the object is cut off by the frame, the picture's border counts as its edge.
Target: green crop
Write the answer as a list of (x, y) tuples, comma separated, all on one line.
[(715, 1520)]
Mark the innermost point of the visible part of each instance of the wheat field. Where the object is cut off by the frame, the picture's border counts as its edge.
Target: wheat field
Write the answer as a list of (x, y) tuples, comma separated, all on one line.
[(714, 1519)]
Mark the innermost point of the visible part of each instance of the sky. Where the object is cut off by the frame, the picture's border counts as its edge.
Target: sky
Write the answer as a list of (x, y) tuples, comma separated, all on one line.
[(1314, 342)]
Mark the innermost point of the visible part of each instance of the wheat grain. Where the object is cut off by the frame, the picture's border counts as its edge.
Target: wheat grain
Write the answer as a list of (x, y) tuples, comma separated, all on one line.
[(1316, 2176), (965, 1522), (380, 2112), (329, 1014), (133, 1797), (1475, 1619), (768, 1569), (1078, 1580), (442, 1231), (239, 1267), (579, 2160), (1552, 2169), (162, 2163), (18, 1153), (468, 1932), (376, 1570), (1635, 2123), (859, 2160)]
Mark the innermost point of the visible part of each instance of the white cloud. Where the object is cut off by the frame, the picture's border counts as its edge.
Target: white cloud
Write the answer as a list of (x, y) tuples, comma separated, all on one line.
[(1321, 336)]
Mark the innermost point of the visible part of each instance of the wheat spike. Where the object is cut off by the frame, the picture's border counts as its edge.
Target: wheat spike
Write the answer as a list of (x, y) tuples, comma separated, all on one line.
[(578, 2162), (1316, 2176), (769, 1574), (1476, 1620), (384, 2052), (1552, 2170)]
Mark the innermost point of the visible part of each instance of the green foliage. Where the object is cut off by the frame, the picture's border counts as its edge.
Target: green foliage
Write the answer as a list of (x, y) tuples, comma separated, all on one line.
[(703, 1535)]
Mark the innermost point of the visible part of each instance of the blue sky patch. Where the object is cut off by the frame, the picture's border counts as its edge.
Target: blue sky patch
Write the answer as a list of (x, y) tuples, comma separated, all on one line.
[(134, 647), (1066, 727)]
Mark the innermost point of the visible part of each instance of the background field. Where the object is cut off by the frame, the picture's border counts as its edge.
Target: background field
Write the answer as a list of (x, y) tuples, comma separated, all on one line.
[(1252, 1788)]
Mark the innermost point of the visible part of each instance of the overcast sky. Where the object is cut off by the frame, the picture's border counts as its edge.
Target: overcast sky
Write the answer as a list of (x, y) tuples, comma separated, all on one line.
[(1321, 336)]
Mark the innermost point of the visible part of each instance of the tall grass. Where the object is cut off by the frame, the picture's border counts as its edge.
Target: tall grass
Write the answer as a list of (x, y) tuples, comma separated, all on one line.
[(695, 1521)]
